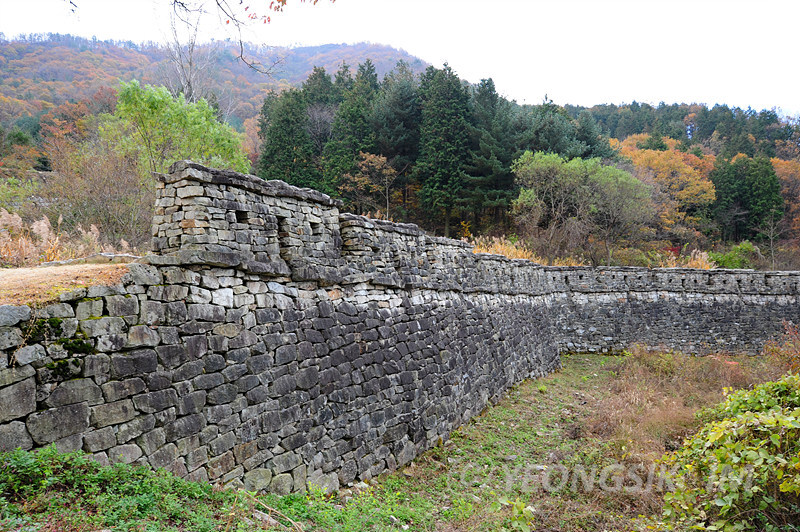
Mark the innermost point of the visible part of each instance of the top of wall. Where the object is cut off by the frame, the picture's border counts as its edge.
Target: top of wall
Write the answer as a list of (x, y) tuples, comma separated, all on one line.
[(213, 217)]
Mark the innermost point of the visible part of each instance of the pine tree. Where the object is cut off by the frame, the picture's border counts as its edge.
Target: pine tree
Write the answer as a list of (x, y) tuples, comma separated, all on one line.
[(444, 141), (351, 132), (342, 81), (748, 195), (588, 133), (322, 98), (367, 79), (395, 118), (318, 88), (489, 184), (286, 152)]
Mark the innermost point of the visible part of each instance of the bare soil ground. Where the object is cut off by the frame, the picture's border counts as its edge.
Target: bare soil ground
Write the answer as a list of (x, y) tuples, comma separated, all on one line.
[(41, 285)]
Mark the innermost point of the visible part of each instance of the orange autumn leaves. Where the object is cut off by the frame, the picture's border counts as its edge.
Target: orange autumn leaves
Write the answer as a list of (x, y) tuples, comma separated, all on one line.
[(681, 180), (789, 174)]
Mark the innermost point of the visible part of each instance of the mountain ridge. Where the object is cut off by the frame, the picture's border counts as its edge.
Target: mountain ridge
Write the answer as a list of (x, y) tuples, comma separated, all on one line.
[(41, 71)]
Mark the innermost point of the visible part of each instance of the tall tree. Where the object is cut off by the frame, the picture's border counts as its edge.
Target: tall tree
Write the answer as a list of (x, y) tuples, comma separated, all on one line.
[(342, 81), (748, 196), (551, 130), (489, 184), (395, 118), (287, 152), (167, 129), (567, 204), (321, 101), (589, 133), (351, 132), (318, 88), (444, 141)]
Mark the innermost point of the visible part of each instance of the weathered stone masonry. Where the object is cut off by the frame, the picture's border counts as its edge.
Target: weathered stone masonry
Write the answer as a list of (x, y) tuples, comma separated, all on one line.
[(273, 341)]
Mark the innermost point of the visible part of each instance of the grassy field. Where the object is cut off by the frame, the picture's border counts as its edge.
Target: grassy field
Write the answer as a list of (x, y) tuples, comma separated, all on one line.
[(573, 451)]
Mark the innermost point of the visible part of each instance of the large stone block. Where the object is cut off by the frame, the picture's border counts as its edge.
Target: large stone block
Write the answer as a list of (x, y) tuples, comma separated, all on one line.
[(14, 435), (257, 479), (113, 413), (143, 336), (139, 362), (17, 400), (11, 315), (282, 484), (75, 391), (56, 423), (10, 337)]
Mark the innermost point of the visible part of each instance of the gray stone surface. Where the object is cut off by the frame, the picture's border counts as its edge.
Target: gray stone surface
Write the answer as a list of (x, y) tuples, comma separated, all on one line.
[(17, 400), (57, 423), (258, 479), (273, 342), (75, 391), (14, 435), (10, 315), (282, 484), (29, 354)]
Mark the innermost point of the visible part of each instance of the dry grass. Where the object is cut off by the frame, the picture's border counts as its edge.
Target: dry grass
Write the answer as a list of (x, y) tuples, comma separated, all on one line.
[(515, 249), (697, 259), (28, 245), (38, 286), (503, 246), (785, 352), (656, 394)]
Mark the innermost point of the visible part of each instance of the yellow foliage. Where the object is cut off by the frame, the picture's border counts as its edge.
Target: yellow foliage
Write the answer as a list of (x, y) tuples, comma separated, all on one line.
[(683, 178), (514, 249), (503, 246)]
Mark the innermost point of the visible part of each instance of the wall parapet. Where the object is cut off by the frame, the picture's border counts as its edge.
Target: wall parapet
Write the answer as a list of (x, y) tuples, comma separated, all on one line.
[(273, 341)]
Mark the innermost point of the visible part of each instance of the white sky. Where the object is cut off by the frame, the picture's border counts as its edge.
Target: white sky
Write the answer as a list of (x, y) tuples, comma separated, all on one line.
[(583, 52)]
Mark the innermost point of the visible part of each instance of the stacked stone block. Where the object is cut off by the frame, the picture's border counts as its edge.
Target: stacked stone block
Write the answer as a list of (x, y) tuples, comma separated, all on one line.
[(272, 342)]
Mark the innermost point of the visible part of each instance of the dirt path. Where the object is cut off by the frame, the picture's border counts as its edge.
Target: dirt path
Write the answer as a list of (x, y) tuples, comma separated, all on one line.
[(36, 286)]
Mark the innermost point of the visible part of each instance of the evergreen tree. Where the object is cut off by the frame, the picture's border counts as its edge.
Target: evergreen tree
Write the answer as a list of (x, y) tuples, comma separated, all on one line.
[(444, 141), (489, 183), (318, 88), (351, 132), (396, 117), (748, 195), (286, 152), (552, 131), (367, 79), (588, 133), (322, 99), (342, 81)]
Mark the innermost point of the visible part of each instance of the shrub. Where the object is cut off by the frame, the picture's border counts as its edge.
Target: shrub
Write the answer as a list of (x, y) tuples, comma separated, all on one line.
[(742, 255), (80, 494), (741, 471), (786, 351)]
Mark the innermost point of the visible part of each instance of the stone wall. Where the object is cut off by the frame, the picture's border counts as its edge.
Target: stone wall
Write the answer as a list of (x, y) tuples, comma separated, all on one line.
[(271, 341)]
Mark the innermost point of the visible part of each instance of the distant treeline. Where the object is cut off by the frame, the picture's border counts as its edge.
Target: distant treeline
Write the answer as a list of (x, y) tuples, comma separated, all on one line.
[(435, 149), (610, 183)]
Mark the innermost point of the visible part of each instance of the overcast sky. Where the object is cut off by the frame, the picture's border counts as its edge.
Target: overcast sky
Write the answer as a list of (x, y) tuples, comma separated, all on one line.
[(583, 52)]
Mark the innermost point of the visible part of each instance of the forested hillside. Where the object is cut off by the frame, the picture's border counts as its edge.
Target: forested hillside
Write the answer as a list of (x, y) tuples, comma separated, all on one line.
[(40, 71), (679, 184)]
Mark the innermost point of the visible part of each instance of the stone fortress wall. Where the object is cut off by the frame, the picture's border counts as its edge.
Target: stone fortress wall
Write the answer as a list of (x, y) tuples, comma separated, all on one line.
[(273, 342)]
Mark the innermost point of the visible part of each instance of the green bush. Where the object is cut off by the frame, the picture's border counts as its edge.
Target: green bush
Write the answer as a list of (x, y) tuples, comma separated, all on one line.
[(742, 255), (741, 471), (86, 495), (781, 395)]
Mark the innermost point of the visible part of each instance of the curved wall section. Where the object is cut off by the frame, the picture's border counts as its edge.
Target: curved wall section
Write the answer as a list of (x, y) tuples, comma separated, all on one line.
[(272, 341)]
